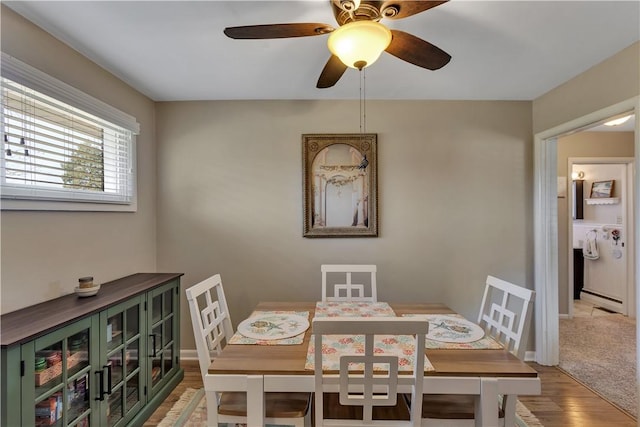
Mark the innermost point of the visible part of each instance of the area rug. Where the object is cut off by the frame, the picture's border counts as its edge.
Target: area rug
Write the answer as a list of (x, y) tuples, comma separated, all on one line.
[(600, 352), (191, 411)]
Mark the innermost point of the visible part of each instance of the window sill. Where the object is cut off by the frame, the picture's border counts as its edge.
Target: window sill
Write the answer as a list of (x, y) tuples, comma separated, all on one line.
[(40, 205)]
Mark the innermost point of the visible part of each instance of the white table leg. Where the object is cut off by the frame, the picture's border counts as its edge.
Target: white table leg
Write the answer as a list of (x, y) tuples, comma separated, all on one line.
[(487, 404), (212, 408), (255, 401)]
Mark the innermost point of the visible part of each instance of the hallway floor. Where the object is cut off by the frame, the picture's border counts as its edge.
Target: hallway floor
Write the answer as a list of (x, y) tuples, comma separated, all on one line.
[(598, 348), (582, 308)]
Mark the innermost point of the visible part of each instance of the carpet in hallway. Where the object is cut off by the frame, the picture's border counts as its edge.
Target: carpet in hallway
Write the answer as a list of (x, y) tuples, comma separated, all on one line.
[(600, 352)]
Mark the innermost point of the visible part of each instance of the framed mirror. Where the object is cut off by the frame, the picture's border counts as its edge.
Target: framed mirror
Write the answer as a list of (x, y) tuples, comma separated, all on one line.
[(340, 175)]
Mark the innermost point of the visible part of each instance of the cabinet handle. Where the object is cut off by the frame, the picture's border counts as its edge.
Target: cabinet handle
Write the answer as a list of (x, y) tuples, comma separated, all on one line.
[(101, 382), (109, 386), (153, 341)]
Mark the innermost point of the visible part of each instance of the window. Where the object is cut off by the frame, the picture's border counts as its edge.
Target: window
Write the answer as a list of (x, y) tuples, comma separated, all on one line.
[(62, 155)]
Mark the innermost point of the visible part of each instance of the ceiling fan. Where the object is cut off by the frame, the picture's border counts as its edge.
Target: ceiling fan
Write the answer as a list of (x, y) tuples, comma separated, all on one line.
[(351, 15)]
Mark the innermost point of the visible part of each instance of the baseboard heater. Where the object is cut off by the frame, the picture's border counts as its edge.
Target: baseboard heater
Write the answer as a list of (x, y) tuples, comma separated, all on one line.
[(601, 296)]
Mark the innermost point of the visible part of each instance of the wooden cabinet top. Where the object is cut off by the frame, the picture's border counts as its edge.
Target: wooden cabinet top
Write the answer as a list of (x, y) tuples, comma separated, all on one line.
[(25, 324)]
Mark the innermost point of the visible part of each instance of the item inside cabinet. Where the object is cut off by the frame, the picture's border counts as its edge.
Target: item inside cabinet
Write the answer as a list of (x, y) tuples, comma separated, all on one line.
[(49, 411), (44, 376)]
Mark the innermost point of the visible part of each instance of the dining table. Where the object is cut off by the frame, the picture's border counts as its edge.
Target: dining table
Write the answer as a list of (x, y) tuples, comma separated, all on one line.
[(273, 366)]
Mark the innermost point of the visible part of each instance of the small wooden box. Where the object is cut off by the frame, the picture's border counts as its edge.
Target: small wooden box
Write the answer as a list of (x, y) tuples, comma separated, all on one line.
[(48, 374)]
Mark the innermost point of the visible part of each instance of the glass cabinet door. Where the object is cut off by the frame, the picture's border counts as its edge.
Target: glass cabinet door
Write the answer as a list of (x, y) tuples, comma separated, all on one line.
[(122, 388), (60, 371), (78, 378), (163, 321)]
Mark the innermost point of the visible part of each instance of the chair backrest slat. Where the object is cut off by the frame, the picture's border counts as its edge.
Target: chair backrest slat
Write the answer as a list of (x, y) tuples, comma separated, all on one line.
[(349, 291), (210, 319), (358, 382), (505, 313)]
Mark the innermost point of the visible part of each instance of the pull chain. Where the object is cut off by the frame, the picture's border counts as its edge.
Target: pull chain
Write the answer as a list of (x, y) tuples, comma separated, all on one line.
[(360, 100), (363, 102)]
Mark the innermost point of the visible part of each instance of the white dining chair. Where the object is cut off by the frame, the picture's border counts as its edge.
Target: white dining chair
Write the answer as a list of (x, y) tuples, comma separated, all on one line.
[(505, 314), (359, 282), (358, 395), (212, 329)]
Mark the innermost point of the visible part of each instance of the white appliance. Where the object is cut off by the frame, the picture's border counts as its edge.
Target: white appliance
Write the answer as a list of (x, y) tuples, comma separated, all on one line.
[(605, 275)]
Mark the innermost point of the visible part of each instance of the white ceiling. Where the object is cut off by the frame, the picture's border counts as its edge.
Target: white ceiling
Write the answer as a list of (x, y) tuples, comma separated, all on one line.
[(502, 50)]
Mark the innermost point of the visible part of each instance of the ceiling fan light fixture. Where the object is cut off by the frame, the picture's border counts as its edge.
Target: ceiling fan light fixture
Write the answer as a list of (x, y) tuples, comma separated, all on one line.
[(359, 44), (349, 5)]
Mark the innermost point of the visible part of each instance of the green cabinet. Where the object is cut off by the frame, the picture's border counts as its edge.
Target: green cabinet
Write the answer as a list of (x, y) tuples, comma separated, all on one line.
[(107, 360)]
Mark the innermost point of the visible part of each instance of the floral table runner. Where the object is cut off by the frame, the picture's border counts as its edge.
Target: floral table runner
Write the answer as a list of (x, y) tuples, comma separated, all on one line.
[(453, 331), (353, 309), (238, 338), (334, 346)]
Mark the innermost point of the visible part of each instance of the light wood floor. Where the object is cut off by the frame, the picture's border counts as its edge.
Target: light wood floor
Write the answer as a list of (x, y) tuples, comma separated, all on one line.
[(564, 402), (192, 379)]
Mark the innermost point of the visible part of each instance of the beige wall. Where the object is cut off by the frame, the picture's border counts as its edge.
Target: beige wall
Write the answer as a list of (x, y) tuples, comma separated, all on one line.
[(454, 191), (614, 80), (44, 253), (581, 144)]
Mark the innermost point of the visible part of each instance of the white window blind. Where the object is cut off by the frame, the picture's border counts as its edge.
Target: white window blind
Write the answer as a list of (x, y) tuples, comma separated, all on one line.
[(54, 151)]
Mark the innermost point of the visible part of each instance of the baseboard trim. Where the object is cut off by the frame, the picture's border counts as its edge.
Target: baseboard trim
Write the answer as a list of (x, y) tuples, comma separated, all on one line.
[(188, 354), (603, 301)]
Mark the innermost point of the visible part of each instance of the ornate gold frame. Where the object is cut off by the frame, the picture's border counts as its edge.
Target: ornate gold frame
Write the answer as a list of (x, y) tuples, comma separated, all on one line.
[(365, 215)]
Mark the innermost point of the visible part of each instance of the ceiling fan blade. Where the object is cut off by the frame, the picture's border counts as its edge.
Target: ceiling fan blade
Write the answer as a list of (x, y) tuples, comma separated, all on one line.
[(277, 31), (417, 51), (408, 8), (331, 73)]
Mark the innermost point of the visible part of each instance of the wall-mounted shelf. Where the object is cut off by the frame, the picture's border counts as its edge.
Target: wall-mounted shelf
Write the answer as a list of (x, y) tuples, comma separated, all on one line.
[(603, 201)]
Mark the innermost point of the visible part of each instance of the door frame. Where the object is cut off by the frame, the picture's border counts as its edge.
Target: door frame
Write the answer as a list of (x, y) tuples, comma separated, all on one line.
[(629, 306), (547, 350)]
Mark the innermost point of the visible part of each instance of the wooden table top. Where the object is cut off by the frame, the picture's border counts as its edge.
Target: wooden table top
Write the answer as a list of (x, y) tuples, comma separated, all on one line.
[(290, 359)]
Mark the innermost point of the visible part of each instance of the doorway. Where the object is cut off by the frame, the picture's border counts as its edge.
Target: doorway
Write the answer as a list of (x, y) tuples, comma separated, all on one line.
[(605, 278), (546, 226), (595, 294)]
